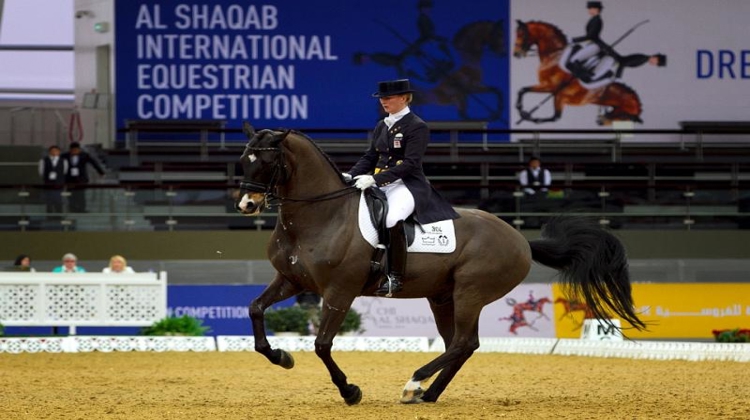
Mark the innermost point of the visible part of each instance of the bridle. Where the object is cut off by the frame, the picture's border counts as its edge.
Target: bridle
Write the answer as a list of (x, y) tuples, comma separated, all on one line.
[(279, 177), (526, 43)]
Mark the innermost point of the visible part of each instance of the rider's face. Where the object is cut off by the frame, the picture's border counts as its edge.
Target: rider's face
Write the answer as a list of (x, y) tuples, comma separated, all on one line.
[(593, 11), (393, 104)]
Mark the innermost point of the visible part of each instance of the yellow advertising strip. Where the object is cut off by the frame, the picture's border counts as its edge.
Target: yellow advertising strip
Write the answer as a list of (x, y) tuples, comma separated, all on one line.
[(671, 310)]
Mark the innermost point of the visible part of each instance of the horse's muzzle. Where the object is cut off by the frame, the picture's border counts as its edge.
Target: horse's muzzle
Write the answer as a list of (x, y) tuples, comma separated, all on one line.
[(250, 204)]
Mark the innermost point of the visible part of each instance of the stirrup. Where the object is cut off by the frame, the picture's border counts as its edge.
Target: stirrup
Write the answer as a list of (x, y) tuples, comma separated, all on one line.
[(394, 285)]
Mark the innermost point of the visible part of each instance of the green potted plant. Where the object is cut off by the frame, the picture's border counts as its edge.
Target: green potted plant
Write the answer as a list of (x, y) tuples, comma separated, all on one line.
[(736, 335), (352, 323), (184, 326), (292, 319), (2, 329)]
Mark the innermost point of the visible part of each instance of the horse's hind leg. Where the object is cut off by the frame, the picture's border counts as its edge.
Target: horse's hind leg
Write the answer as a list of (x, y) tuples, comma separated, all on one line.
[(279, 289), (442, 311), (465, 341), (446, 375), (332, 316)]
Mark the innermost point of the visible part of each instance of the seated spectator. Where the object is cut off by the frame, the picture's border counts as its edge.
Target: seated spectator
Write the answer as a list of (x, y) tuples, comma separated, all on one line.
[(23, 263), (534, 178), (118, 265), (70, 265)]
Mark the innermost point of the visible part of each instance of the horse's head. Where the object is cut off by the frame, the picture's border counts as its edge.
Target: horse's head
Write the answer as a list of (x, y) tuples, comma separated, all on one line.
[(523, 40), (263, 167), (547, 37)]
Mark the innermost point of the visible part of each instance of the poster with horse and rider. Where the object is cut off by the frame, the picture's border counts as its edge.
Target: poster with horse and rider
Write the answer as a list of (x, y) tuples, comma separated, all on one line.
[(508, 64)]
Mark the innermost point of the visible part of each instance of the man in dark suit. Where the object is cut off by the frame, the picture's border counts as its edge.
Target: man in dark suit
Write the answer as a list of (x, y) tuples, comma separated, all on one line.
[(393, 163), (52, 170), (77, 177)]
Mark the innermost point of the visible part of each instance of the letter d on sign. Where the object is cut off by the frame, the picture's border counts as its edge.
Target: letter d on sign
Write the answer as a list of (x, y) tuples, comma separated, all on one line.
[(599, 330)]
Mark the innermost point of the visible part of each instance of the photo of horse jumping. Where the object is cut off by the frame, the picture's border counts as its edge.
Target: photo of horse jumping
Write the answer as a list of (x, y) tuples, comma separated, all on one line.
[(316, 246)]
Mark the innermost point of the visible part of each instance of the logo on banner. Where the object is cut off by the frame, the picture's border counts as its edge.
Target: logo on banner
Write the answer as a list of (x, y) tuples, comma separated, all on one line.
[(518, 315)]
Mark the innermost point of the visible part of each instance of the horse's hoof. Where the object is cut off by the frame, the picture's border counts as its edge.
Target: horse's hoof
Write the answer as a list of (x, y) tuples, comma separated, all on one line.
[(286, 361), (412, 396), (355, 395)]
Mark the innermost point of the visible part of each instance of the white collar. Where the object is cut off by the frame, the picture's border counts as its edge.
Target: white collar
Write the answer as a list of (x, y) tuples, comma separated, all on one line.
[(393, 118)]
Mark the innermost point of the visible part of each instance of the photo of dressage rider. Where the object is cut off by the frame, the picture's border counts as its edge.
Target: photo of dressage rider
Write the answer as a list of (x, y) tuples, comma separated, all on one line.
[(393, 163), (592, 60)]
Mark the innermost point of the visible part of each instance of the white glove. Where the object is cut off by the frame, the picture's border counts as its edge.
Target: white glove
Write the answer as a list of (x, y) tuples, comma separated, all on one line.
[(347, 177), (364, 181)]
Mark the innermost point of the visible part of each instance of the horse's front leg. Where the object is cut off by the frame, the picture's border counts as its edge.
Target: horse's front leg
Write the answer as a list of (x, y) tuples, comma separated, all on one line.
[(332, 316), (558, 107), (527, 114), (519, 98), (279, 289)]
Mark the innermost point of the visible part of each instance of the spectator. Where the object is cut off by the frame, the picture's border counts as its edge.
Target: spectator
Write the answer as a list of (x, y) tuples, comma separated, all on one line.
[(23, 263), (70, 265), (118, 265), (52, 170), (77, 176), (534, 178)]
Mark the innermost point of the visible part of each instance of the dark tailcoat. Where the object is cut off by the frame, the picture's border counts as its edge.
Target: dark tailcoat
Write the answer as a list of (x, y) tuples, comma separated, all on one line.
[(396, 153), (80, 176), (593, 29)]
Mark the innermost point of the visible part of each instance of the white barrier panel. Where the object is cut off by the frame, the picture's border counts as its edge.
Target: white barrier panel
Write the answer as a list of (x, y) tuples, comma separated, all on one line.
[(506, 345), (81, 344), (307, 343), (34, 345), (137, 343), (656, 350), (82, 299)]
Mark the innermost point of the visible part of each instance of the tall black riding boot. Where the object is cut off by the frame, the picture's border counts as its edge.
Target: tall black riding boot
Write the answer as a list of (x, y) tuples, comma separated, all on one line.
[(396, 261)]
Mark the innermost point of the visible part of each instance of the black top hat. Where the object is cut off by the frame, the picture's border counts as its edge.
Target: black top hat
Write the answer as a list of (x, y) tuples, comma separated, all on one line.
[(393, 87), (594, 5), (661, 60)]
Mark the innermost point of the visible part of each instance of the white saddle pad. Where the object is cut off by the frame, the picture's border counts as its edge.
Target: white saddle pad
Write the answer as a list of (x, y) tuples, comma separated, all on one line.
[(438, 237)]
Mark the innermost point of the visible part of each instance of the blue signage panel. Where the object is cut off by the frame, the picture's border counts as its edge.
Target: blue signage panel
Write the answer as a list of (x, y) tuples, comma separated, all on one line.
[(286, 63)]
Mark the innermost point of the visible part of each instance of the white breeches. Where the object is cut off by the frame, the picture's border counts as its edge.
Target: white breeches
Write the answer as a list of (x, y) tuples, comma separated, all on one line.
[(586, 54), (400, 202)]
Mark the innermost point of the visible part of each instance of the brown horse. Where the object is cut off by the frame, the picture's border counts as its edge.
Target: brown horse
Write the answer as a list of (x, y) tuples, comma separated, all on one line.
[(317, 246), (570, 306), (621, 101)]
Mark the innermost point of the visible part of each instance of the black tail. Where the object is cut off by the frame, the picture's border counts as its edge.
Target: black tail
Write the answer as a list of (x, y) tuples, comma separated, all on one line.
[(592, 265)]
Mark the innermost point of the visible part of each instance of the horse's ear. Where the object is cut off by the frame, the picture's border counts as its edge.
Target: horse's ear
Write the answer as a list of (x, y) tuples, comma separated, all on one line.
[(278, 138), (248, 129), (520, 23)]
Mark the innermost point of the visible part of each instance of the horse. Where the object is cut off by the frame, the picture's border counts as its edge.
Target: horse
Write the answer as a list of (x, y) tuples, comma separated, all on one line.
[(316, 246), (621, 101), (440, 80), (465, 86), (518, 318), (570, 306)]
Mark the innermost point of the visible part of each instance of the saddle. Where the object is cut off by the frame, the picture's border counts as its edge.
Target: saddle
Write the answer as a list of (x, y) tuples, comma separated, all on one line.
[(377, 206)]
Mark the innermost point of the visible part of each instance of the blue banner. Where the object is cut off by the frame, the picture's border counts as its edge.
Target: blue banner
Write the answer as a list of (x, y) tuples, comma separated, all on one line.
[(286, 63)]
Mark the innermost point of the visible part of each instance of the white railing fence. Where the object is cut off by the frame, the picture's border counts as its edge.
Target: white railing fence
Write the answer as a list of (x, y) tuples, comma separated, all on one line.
[(82, 299)]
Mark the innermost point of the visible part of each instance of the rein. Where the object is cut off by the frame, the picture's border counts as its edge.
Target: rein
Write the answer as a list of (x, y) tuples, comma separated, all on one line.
[(272, 198)]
